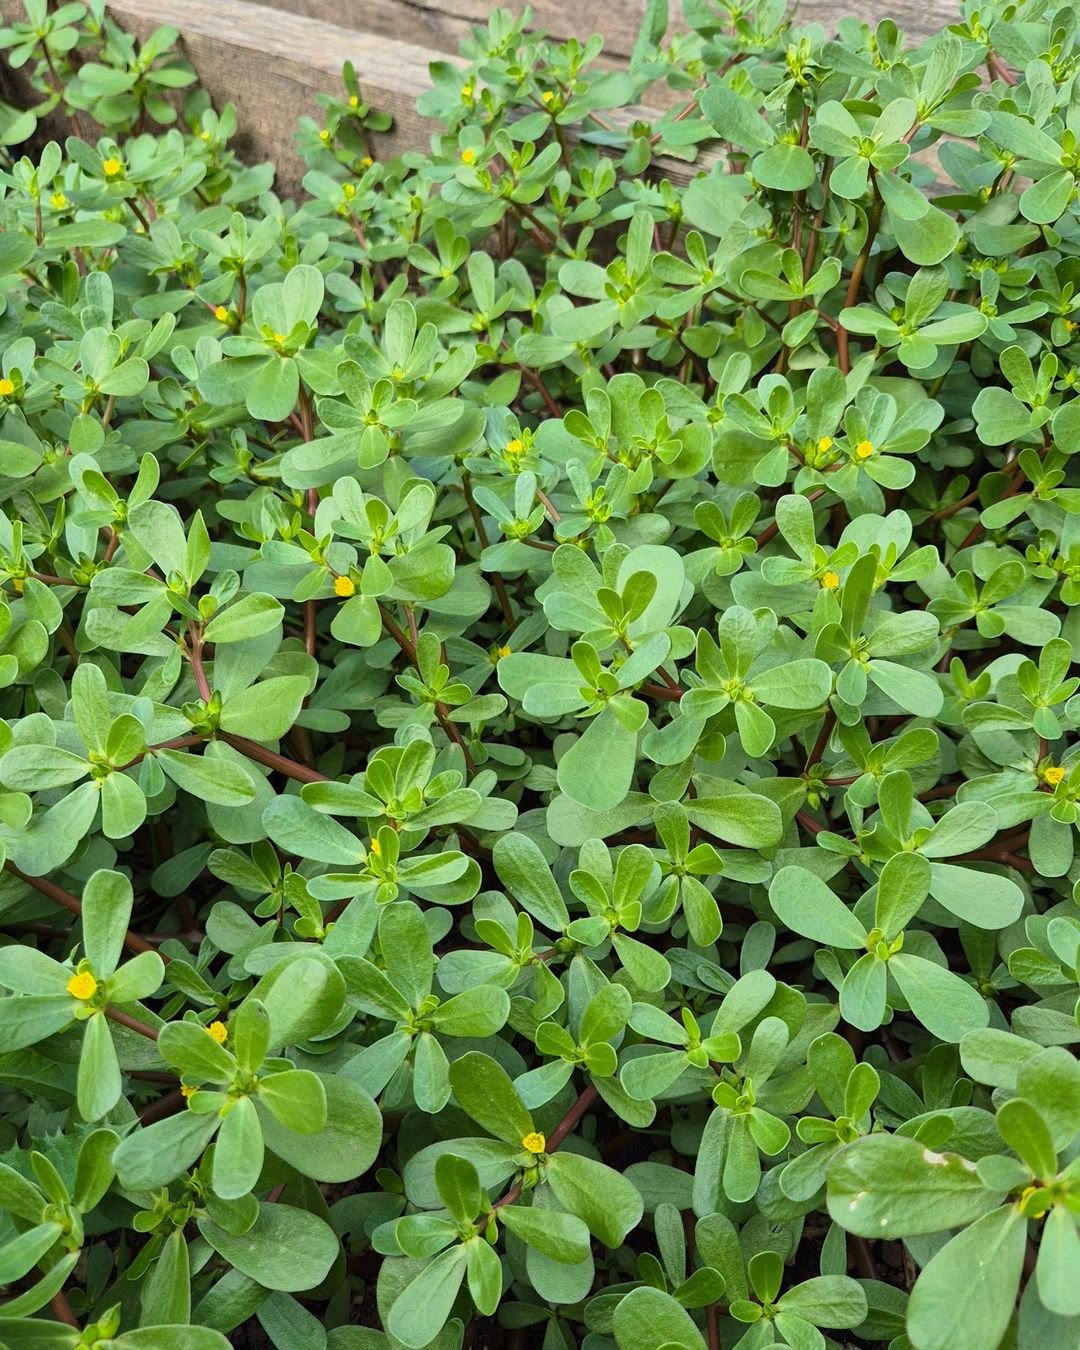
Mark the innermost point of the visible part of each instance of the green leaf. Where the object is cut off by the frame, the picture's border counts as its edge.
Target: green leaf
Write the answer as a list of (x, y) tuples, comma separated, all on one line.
[(421, 1310), (964, 1298), (650, 1319), (608, 1203), (888, 1186), (484, 1091), (286, 1248), (947, 1006)]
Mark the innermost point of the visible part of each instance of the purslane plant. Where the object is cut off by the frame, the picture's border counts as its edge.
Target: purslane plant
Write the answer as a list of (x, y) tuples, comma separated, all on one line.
[(538, 736)]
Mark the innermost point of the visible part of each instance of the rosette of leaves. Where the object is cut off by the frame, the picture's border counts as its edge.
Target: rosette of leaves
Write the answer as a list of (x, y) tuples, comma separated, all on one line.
[(538, 765)]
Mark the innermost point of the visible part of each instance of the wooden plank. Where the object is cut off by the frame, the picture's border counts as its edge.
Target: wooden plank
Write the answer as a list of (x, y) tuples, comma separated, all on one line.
[(272, 63), (443, 23)]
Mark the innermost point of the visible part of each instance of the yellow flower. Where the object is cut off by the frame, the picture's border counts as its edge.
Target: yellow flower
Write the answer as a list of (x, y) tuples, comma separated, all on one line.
[(354, 102), (825, 443), (348, 191), (204, 136), (534, 1142), (830, 580), (279, 338), (217, 1032), (367, 162), (547, 96), (186, 1091), (1070, 325), (864, 450), (503, 651), (514, 447), (82, 986), (111, 168), (324, 136), (1053, 775), (58, 201), (375, 847), (468, 155), (466, 91), (344, 586), (19, 583), (221, 314), (7, 388)]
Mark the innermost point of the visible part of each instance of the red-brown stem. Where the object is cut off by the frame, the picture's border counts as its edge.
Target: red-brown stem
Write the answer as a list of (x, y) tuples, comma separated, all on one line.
[(482, 540), (565, 1126), (408, 649), (166, 1105), (195, 656), (124, 1019), (62, 1310), (542, 389), (814, 757), (282, 764), (72, 904), (856, 279)]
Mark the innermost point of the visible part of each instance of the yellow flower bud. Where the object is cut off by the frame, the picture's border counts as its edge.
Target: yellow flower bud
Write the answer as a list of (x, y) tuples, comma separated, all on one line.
[(344, 586), (58, 201), (186, 1091), (354, 102), (7, 388), (466, 91), (503, 651), (830, 580), (324, 136), (534, 1142), (375, 847), (825, 443), (468, 155), (217, 1032), (367, 162), (221, 314), (547, 96), (1053, 775), (83, 986), (514, 447), (864, 449), (112, 168)]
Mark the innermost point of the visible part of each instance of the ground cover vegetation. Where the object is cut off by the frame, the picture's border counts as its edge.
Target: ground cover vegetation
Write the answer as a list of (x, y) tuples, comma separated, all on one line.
[(539, 770)]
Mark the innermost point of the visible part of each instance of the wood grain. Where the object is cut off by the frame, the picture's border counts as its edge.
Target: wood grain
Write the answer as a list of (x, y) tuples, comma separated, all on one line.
[(443, 23), (271, 63), (272, 59)]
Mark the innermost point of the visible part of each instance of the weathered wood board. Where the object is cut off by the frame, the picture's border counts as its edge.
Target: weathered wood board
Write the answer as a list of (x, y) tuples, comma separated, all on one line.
[(272, 58)]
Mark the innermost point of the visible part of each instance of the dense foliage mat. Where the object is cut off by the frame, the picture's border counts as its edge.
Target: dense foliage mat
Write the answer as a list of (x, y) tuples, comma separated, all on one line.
[(539, 749)]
